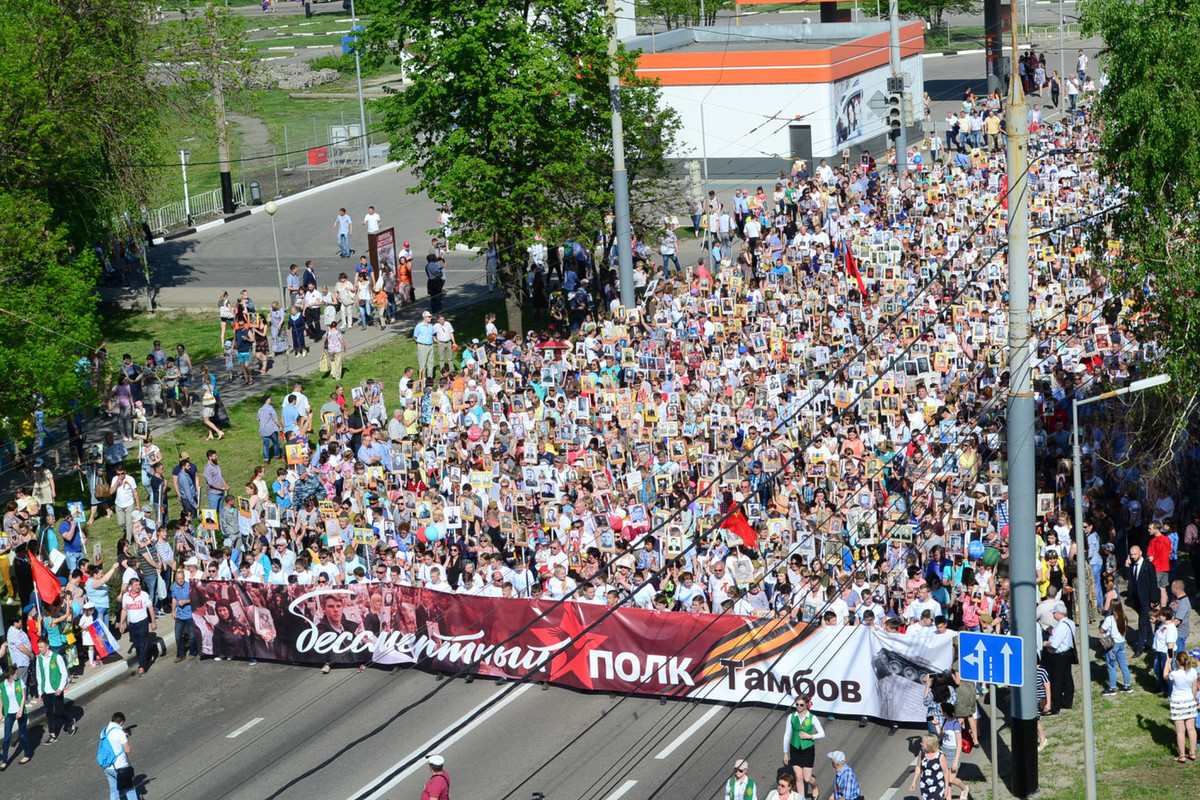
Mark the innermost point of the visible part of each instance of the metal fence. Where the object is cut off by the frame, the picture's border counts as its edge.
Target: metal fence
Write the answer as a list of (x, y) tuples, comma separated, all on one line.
[(202, 205), (314, 150), (1049, 33)]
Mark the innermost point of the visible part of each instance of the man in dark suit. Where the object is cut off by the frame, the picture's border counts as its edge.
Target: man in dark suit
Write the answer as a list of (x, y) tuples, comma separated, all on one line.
[(1143, 594)]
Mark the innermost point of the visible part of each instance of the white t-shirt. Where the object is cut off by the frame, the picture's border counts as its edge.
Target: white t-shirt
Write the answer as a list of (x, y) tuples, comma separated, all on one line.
[(122, 489), (118, 738), (136, 609), (371, 221), (1182, 681)]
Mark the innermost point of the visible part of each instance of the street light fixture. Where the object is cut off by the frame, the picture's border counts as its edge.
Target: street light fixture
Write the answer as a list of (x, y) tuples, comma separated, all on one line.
[(1081, 598), (271, 207)]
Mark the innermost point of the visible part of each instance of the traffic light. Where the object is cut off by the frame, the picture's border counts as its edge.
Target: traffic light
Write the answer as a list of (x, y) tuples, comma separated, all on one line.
[(895, 110), (910, 110)]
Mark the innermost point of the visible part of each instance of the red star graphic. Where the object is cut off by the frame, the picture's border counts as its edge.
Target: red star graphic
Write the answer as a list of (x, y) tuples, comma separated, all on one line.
[(572, 659)]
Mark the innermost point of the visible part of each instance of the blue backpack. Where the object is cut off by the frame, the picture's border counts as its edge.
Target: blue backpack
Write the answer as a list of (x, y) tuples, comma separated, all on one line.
[(106, 754)]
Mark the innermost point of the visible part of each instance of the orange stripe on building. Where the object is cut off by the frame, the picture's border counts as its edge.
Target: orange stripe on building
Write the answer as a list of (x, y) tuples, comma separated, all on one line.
[(743, 67)]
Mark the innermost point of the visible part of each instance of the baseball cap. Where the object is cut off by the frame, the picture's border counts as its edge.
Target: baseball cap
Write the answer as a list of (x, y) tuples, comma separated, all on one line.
[(837, 756), (436, 760), (1059, 608), (184, 456)]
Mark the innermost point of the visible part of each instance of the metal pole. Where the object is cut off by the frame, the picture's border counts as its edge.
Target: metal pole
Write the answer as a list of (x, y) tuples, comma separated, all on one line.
[(1022, 513), (187, 204), (620, 177), (362, 113), (283, 302), (703, 16), (705, 210), (894, 58), (275, 164), (1081, 600), (287, 150), (992, 734), (1062, 55)]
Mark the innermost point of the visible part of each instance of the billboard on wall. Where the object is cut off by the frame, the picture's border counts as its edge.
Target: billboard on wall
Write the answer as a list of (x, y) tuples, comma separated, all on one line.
[(719, 657), (849, 109)]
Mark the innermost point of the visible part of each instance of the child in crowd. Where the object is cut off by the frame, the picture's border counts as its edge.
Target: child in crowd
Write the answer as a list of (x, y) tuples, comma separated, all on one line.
[(1164, 644), (229, 359)]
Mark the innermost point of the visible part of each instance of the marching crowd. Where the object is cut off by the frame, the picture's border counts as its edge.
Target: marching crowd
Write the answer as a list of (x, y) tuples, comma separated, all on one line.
[(807, 423)]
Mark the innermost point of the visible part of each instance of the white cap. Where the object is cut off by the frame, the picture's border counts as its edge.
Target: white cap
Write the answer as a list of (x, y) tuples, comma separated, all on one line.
[(837, 756), (435, 760)]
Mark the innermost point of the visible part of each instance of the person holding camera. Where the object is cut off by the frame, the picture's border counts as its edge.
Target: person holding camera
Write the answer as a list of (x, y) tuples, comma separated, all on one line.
[(120, 771)]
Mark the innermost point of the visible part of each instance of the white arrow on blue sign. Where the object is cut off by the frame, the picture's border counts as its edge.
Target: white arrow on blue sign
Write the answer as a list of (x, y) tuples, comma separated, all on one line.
[(991, 658)]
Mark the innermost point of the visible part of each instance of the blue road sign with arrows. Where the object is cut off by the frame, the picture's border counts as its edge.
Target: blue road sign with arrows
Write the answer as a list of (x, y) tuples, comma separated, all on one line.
[(990, 658)]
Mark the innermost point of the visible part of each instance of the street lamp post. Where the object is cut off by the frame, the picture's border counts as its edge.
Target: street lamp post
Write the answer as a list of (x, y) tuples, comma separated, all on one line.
[(1062, 55), (184, 155), (1081, 597), (362, 114), (271, 207)]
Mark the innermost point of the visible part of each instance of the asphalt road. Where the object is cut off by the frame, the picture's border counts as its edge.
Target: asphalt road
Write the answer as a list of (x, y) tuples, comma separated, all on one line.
[(213, 730), (241, 254)]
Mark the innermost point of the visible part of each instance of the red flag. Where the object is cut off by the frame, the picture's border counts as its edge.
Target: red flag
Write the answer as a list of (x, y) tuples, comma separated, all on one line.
[(736, 523), (47, 585), (852, 268)]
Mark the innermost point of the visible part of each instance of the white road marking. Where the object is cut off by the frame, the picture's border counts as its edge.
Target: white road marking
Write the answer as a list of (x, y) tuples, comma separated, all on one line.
[(244, 728), (625, 787), (439, 742), (890, 793), (683, 737)]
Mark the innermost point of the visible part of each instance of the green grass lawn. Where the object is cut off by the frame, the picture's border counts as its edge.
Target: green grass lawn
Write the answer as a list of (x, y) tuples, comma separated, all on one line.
[(965, 38), (134, 332), (1135, 746), (241, 449)]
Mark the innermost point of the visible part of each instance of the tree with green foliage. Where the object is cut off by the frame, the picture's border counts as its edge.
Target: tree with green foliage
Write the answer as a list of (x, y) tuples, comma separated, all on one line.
[(682, 13), (931, 11), (1150, 147), (48, 310), (207, 59), (506, 119), (77, 122), (77, 113)]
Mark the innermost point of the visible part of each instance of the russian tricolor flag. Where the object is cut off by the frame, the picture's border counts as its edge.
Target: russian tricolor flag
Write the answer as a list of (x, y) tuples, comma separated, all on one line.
[(103, 639)]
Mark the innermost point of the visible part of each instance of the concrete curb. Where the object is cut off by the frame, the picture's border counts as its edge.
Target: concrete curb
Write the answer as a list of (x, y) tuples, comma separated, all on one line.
[(92, 683), (976, 52), (392, 165)]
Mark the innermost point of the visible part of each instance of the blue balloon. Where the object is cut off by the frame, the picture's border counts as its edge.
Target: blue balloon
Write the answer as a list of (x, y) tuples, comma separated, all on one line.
[(975, 549), (917, 159), (432, 533)]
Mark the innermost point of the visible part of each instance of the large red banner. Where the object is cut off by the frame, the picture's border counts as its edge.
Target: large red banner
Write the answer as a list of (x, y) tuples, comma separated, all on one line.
[(577, 645)]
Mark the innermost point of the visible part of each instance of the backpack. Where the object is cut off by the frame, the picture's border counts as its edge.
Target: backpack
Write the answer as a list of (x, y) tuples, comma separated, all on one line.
[(106, 754)]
